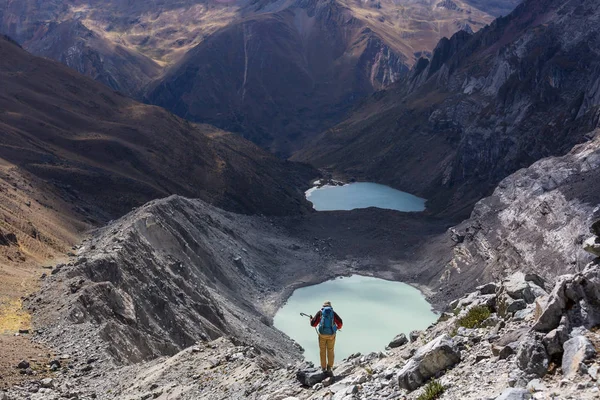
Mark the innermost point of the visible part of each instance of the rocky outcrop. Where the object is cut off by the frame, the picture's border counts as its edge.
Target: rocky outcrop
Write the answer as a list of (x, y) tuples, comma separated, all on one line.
[(482, 107), (166, 276), (536, 220), (428, 361)]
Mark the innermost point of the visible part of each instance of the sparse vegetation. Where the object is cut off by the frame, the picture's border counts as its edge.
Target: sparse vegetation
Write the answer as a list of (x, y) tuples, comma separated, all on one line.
[(475, 316), (432, 391)]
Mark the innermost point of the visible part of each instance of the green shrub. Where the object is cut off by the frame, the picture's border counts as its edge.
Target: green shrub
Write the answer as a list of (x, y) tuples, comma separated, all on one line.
[(432, 391), (475, 316)]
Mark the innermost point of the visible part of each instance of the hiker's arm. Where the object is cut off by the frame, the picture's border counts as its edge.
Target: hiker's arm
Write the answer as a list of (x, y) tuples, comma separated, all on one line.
[(316, 319), (338, 321)]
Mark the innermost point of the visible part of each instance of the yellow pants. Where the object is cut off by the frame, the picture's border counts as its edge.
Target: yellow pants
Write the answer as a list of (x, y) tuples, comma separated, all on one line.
[(326, 344)]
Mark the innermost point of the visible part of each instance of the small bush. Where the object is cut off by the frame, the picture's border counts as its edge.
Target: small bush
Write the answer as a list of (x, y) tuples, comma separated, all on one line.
[(432, 391), (475, 316)]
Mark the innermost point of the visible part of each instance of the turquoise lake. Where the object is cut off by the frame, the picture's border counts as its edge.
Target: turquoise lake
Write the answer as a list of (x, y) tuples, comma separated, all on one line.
[(373, 310), (363, 195)]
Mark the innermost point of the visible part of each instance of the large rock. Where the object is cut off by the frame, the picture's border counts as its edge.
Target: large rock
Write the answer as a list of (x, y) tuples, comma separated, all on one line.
[(514, 394), (310, 377), (554, 340), (414, 335), (581, 292), (428, 361), (592, 245), (399, 340), (518, 288), (532, 357), (576, 351)]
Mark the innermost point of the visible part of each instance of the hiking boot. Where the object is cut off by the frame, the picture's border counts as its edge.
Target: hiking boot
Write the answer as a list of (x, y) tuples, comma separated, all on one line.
[(324, 370), (329, 372)]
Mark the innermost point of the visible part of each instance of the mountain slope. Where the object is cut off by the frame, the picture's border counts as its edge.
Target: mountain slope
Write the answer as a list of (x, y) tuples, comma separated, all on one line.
[(74, 155), (91, 54), (288, 70), (482, 107)]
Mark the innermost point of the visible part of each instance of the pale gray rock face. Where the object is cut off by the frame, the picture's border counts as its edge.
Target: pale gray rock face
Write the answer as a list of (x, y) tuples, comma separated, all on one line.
[(434, 357), (576, 351), (535, 221)]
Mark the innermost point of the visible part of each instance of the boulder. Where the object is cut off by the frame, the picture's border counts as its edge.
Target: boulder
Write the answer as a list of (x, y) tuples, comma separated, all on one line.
[(595, 228), (428, 361), (508, 350), (516, 305), (518, 288), (554, 340), (532, 357), (514, 394), (310, 377), (488, 288), (552, 312), (592, 246), (47, 383), (576, 351), (399, 340), (581, 292), (414, 335)]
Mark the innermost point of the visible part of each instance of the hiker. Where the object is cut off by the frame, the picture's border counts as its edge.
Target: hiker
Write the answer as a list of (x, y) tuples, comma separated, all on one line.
[(328, 323)]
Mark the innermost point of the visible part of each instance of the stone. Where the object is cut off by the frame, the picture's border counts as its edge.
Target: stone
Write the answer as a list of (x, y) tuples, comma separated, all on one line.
[(554, 340), (536, 385), (414, 335), (431, 359), (518, 288), (47, 383), (488, 288), (508, 350), (310, 377), (552, 312), (23, 364), (593, 371), (514, 394), (516, 305), (532, 357), (592, 246), (576, 351), (399, 340), (595, 228)]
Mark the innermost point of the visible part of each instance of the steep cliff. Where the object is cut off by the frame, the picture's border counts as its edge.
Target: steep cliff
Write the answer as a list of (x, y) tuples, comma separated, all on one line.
[(482, 107)]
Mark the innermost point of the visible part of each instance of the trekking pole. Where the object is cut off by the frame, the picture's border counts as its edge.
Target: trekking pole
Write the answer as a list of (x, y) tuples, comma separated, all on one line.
[(310, 317)]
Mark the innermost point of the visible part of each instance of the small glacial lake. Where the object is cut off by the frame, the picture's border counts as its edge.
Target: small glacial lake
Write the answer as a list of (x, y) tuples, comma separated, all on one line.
[(362, 195), (373, 310)]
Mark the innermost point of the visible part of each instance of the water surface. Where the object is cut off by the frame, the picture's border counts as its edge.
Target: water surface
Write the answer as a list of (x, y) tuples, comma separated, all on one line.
[(363, 195), (373, 310)]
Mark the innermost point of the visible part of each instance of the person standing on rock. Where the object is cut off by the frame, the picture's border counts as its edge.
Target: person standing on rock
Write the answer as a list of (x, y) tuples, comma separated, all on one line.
[(327, 323)]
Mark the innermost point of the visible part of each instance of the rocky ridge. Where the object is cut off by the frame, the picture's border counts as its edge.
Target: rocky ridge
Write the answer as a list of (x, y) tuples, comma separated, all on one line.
[(535, 221), (514, 339), (480, 108)]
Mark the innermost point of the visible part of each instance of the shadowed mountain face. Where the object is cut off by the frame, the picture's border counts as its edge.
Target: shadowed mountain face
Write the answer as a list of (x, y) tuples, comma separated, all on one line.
[(108, 153), (288, 71), (485, 105), (277, 72)]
